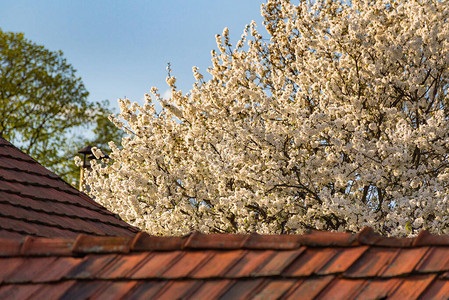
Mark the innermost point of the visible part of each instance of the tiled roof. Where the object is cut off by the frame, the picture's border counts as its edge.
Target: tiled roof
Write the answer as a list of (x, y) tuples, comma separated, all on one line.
[(318, 265), (35, 201)]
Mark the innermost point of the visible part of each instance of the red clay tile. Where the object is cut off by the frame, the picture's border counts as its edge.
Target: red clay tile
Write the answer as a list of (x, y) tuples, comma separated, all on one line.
[(308, 288), (242, 289), (115, 290), (8, 266), (158, 263), (425, 238), (9, 247), (219, 264), (412, 287), (90, 266), (327, 239), (146, 290), (22, 291), (188, 262), (46, 246), (58, 269), (378, 289), (30, 270), (342, 289), (34, 201), (437, 290), (123, 265), (249, 263), (211, 289), (84, 289), (367, 236), (146, 242), (177, 290), (274, 289), (342, 260), (53, 290), (277, 242), (311, 261), (94, 244), (10, 235), (435, 260), (278, 262), (372, 262), (405, 262), (215, 241)]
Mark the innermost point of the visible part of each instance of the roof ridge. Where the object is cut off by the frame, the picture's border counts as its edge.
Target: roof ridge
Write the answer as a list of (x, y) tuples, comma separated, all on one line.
[(85, 243)]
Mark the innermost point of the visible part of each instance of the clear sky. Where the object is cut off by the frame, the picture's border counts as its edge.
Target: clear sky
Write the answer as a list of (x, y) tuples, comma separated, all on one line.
[(121, 48)]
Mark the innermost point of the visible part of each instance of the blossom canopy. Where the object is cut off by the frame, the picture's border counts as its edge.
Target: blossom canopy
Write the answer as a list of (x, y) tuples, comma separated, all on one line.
[(338, 120)]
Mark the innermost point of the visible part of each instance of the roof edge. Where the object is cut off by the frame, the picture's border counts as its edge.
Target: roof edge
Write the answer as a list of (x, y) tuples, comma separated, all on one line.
[(88, 244)]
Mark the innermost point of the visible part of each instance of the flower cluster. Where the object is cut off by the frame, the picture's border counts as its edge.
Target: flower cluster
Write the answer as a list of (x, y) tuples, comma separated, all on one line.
[(338, 120)]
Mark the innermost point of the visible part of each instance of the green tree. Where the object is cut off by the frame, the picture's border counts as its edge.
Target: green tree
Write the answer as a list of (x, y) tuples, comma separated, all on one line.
[(43, 104)]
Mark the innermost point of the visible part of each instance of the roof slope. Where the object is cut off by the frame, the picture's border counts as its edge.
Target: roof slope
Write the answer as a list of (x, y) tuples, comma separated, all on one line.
[(318, 265), (35, 201)]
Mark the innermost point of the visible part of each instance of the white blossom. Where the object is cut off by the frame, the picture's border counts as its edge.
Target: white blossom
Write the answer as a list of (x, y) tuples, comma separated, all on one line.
[(337, 120)]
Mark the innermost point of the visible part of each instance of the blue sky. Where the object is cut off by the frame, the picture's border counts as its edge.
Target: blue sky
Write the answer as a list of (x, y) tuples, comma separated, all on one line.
[(121, 48)]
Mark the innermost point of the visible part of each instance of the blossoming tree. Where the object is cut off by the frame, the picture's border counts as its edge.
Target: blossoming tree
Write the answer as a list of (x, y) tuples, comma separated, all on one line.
[(338, 120)]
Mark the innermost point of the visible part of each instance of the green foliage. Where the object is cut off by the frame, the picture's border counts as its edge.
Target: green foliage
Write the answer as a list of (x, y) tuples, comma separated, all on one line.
[(43, 105)]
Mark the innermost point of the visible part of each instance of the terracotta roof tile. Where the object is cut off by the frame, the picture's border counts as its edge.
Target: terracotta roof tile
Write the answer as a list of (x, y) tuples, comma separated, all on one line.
[(358, 266), (187, 263), (146, 289), (309, 288), (115, 290), (156, 265), (30, 270), (311, 261), (436, 259), (218, 264), (274, 289), (34, 201), (413, 286), (211, 289), (53, 291), (277, 263), (24, 291), (373, 262), (378, 289), (437, 290), (405, 262), (177, 289), (9, 247), (46, 247), (215, 241), (341, 261), (91, 266), (143, 241), (249, 263), (123, 265), (58, 269), (341, 288), (242, 289), (85, 289), (255, 241)]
